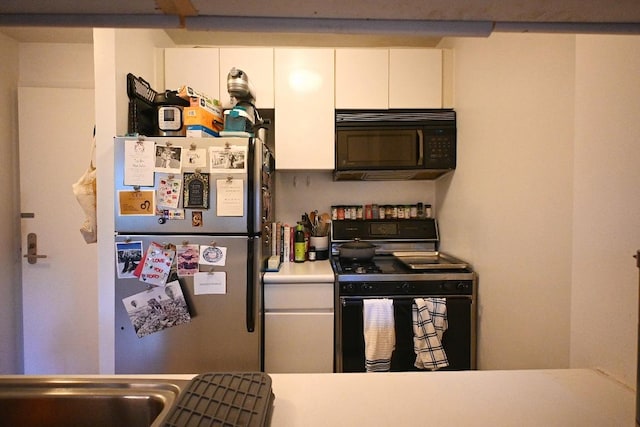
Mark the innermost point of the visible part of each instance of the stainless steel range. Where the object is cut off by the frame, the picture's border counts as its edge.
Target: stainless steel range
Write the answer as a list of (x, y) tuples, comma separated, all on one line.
[(407, 265)]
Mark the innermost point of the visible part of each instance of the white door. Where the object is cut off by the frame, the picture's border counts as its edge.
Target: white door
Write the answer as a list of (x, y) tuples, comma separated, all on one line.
[(59, 292)]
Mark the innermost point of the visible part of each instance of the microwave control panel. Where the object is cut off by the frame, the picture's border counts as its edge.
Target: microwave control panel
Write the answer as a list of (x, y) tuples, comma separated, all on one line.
[(440, 148)]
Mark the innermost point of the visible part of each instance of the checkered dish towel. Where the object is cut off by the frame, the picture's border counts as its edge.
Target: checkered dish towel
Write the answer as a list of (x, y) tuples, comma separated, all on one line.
[(429, 316), (379, 334)]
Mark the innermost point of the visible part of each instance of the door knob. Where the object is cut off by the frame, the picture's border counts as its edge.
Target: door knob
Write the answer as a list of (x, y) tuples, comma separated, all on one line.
[(32, 249)]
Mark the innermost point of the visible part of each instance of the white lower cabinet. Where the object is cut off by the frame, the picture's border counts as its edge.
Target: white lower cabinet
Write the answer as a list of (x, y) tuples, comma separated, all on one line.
[(298, 327), (298, 342)]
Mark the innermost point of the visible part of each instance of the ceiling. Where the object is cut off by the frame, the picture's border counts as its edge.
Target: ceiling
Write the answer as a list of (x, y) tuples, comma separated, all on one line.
[(313, 22)]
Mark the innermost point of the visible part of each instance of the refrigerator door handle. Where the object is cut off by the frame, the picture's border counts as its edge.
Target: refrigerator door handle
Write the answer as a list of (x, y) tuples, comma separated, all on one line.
[(250, 303), (251, 182)]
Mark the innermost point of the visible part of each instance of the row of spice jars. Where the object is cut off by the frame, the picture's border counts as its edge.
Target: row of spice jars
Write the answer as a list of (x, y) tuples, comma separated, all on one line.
[(375, 211)]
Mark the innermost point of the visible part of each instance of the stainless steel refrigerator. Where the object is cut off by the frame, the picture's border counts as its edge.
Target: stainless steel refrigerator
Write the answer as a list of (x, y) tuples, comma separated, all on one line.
[(213, 194)]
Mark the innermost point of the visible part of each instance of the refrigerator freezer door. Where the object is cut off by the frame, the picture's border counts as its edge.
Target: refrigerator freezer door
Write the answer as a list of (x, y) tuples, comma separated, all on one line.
[(233, 191), (216, 338)]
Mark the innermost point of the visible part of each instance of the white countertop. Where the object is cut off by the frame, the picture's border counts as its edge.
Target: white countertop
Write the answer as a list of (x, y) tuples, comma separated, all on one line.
[(567, 397), (303, 272), (549, 398)]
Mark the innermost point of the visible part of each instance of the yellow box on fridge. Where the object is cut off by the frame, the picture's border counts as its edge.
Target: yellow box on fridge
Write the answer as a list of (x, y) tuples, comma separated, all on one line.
[(198, 116)]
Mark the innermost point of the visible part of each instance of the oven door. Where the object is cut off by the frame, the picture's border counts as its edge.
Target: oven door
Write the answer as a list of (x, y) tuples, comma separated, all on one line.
[(458, 339)]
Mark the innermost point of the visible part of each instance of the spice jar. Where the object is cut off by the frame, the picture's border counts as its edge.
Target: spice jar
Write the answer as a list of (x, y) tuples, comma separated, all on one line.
[(368, 212)]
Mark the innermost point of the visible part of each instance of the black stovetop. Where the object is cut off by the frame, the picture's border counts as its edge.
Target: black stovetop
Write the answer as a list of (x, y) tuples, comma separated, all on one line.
[(405, 250), (390, 268)]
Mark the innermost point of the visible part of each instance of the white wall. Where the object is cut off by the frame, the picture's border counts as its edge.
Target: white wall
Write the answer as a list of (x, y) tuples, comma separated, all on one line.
[(116, 53), (10, 303), (56, 65), (545, 201), (606, 219), (508, 207)]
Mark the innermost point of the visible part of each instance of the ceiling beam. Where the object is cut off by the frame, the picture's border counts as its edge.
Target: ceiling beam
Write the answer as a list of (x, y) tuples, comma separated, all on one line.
[(568, 27), (180, 8), (340, 26), (89, 20)]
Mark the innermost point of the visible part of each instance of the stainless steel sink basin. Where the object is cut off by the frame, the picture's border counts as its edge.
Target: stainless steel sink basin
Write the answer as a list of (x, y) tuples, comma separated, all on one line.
[(52, 402)]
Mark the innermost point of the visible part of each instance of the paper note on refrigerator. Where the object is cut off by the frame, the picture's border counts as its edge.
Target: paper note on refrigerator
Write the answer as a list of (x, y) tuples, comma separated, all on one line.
[(228, 159), (187, 256), (157, 308), (139, 163), (157, 264), (140, 202), (169, 191), (213, 255), (210, 283), (230, 197)]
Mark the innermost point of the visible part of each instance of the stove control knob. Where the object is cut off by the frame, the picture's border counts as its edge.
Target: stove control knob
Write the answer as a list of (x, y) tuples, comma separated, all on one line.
[(348, 287), (405, 287), (462, 286), (367, 287)]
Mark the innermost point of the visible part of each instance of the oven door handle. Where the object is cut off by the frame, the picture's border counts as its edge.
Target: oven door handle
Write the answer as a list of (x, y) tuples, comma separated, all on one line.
[(345, 301), (351, 301), (358, 300)]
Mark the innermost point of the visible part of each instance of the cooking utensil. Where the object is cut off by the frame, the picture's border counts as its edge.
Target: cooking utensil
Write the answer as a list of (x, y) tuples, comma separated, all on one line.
[(357, 250), (306, 222)]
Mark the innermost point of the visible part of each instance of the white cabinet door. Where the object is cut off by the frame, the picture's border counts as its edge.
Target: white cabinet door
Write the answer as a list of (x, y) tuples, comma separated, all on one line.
[(362, 78), (195, 67), (257, 63), (304, 103), (389, 78), (415, 78), (298, 342), (298, 327)]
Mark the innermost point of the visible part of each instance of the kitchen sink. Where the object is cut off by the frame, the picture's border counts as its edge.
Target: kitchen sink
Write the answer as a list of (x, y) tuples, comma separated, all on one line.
[(61, 401)]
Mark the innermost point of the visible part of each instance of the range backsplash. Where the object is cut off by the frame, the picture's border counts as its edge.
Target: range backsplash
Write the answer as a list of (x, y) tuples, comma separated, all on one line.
[(303, 191)]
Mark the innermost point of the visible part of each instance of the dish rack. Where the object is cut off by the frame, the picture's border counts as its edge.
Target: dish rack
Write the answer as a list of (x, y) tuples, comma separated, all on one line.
[(224, 399)]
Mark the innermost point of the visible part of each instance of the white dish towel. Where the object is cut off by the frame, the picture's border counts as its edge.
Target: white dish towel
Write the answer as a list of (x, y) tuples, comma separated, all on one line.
[(429, 317), (379, 334)]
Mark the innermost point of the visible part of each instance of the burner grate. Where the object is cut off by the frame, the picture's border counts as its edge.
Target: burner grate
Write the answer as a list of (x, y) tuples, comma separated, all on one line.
[(360, 267)]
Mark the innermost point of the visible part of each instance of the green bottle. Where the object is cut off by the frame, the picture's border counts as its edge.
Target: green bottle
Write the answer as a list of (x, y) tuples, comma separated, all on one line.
[(299, 245)]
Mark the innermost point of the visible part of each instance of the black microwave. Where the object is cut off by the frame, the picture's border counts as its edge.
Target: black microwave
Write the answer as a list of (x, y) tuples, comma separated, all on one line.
[(394, 144)]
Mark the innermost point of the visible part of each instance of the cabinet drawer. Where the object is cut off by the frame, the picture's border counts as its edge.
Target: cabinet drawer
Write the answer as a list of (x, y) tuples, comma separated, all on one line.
[(298, 342), (298, 296)]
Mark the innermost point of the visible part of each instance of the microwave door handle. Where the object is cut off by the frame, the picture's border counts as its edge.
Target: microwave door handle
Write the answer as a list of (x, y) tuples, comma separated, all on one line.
[(420, 148)]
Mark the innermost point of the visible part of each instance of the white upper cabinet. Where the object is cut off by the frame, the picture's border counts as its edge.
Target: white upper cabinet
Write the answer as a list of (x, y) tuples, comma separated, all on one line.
[(388, 78), (362, 78), (257, 63), (415, 78), (195, 67), (304, 105)]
